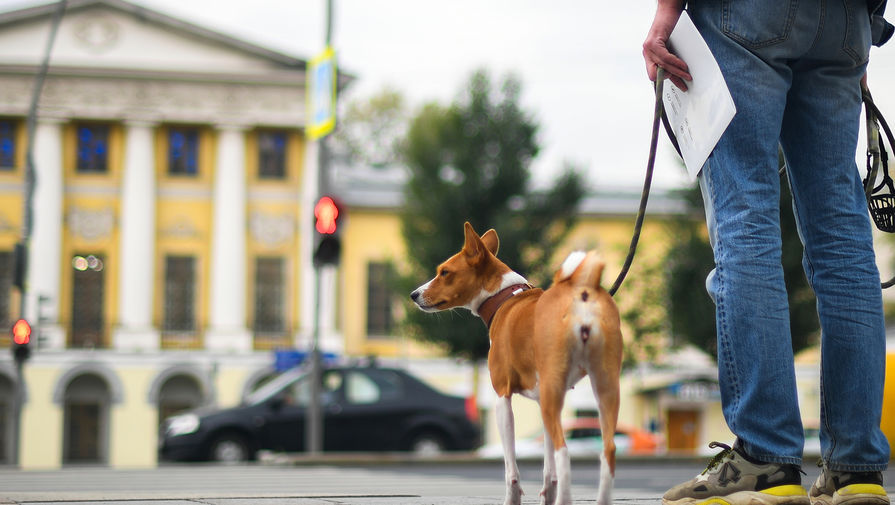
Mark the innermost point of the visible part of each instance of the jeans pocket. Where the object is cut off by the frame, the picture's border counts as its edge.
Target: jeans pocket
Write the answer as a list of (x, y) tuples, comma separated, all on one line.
[(757, 24), (857, 39)]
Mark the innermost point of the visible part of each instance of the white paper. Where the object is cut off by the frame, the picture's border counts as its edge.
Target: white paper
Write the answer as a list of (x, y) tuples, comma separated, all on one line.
[(699, 115)]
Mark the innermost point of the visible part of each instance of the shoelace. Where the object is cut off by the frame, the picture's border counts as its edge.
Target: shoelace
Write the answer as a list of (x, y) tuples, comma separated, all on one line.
[(718, 457)]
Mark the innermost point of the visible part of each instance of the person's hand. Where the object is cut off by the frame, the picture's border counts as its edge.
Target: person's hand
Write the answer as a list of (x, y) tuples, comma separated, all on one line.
[(655, 47)]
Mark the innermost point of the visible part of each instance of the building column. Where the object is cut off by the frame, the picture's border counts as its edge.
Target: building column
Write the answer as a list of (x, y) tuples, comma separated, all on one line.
[(137, 251), (45, 253), (227, 329)]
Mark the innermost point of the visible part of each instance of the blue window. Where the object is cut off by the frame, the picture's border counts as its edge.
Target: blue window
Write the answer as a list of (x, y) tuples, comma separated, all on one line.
[(183, 151), (7, 144), (93, 148), (271, 155)]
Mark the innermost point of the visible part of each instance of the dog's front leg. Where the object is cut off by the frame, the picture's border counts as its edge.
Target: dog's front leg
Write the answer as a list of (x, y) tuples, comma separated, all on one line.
[(548, 492), (505, 425)]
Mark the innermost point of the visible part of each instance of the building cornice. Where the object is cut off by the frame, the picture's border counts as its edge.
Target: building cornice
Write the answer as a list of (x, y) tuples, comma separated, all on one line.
[(157, 101)]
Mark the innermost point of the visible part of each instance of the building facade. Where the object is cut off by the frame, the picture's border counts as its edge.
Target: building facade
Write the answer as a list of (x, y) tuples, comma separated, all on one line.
[(165, 256)]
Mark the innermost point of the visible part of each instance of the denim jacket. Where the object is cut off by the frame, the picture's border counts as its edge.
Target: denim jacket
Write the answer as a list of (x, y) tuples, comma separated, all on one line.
[(881, 29)]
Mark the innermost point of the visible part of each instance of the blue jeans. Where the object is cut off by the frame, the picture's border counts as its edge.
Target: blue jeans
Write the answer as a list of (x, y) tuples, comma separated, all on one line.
[(793, 68)]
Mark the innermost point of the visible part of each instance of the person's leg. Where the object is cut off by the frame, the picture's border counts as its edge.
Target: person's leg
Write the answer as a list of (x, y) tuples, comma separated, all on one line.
[(741, 189), (819, 138)]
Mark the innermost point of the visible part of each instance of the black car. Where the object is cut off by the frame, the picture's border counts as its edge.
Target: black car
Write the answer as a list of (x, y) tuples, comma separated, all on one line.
[(364, 409)]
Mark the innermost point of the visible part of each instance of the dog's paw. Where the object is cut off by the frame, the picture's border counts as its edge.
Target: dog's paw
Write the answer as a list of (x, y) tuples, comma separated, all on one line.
[(514, 493), (548, 493)]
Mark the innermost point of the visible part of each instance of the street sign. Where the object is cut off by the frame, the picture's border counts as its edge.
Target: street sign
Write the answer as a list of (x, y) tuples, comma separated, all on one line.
[(321, 89)]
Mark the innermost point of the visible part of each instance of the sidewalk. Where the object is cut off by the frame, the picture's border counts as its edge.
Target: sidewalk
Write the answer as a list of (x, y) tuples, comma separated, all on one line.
[(372, 499)]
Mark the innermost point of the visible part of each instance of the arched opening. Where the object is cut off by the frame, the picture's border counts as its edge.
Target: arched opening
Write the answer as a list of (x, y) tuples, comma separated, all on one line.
[(86, 420), (178, 393), (7, 408)]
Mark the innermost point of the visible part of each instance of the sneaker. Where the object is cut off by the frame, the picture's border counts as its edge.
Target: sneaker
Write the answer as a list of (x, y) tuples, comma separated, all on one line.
[(732, 479), (853, 488)]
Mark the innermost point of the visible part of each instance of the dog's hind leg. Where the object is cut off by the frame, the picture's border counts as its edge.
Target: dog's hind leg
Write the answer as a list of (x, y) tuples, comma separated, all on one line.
[(552, 396), (505, 424), (606, 390), (548, 492)]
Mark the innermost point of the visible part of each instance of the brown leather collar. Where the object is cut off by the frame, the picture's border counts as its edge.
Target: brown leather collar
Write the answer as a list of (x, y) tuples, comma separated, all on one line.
[(489, 307)]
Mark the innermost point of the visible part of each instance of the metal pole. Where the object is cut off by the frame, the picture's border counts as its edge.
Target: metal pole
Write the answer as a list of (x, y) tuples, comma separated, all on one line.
[(28, 216), (314, 418), (314, 426)]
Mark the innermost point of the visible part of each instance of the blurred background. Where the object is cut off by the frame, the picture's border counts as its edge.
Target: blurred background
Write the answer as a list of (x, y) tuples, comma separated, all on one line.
[(172, 231)]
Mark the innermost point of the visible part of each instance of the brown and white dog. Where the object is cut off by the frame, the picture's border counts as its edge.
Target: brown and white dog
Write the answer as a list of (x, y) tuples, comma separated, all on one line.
[(542, 343)]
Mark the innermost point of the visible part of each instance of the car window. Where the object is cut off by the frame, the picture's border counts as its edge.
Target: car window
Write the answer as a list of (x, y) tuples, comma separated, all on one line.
[(361, 389), (299, 393), (274, 387), (391, 387), (584, 433)]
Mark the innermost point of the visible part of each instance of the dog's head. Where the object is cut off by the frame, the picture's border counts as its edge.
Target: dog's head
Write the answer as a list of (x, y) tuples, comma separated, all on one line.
[(461, 280)]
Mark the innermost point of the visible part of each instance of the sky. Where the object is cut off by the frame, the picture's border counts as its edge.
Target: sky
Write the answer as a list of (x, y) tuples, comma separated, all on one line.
[(579, 62)]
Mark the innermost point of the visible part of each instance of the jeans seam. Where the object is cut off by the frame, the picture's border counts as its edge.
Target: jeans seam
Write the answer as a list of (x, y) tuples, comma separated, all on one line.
[(722, 337)]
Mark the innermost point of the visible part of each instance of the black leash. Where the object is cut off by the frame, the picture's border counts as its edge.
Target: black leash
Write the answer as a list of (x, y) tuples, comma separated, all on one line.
[(658, 117)]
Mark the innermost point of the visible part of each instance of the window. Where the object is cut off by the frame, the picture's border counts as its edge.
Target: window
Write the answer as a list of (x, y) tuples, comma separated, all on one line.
[(180, 298), (7, 144), (269, 295), (6, 272), (183, 151), (92, 148), (361, 390), (271, 154), (379, 300), (88, 294)]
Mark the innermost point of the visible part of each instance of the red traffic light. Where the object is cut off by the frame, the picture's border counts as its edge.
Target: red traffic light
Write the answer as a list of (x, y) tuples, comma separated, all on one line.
[(21, 332), (327, 213)]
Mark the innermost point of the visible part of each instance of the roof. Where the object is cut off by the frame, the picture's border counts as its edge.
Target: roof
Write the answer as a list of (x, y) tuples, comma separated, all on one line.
[(157, 17), (383, 188)]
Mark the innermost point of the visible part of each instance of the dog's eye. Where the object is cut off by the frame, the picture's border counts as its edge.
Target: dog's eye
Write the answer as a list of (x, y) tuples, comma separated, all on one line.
[(444, 273)]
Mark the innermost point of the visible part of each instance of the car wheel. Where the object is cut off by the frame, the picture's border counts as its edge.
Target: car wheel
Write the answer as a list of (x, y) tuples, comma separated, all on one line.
[(230, 448), (427, 444)]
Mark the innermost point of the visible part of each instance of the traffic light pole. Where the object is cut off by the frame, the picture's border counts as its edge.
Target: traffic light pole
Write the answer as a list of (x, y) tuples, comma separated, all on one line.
[(28, 219), (314, 417)]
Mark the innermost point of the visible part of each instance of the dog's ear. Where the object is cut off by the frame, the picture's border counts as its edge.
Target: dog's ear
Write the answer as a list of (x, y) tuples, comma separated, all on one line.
[(473, 247), (491, 241)]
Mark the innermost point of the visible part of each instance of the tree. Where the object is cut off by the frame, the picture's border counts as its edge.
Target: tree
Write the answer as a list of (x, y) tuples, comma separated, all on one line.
[(471, 161), (690, 260), (370, 130)]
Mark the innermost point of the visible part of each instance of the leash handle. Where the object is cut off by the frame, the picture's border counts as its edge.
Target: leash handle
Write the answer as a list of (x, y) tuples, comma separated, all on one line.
[(658, 113)]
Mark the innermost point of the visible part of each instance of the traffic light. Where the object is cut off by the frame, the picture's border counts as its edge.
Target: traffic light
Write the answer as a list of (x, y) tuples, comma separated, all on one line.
[(328, 215), (21, 340)]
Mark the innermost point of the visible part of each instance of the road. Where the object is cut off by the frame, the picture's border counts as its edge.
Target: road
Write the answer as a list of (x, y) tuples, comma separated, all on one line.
[(381, 483)]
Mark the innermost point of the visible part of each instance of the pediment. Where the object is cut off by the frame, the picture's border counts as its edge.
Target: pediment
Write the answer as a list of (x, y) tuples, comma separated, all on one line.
[(115, 34)]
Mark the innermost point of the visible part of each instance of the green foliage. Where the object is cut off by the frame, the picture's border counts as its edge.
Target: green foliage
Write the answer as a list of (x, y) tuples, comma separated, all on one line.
[(471, 161), (370, 130), (641, 304)]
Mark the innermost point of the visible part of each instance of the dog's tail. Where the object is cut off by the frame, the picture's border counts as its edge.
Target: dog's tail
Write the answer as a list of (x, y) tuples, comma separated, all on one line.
[(581, 269)]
